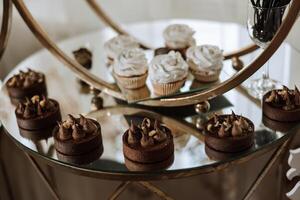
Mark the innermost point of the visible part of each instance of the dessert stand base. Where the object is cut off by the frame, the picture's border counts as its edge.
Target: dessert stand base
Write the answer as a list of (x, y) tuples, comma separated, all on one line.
[(276, 156)]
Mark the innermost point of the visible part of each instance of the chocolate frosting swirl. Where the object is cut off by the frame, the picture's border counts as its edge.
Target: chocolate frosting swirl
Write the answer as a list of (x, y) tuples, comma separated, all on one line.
[(147, 134), (76, 128), (285, 98), (25, 79), (231, 125), (35, 107)]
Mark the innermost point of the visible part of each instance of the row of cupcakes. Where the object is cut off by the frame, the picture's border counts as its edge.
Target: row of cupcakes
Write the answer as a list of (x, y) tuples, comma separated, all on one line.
[(168, 70)]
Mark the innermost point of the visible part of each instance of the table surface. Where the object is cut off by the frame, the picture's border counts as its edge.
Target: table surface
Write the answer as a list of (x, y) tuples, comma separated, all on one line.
[(190, 154)]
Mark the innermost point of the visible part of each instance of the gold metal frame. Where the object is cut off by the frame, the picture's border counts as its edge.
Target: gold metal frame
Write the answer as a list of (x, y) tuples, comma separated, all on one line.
[(176, 101), (6, 25)]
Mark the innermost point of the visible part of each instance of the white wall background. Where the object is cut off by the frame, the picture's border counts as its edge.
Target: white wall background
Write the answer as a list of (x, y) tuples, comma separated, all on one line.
[(65, 18)]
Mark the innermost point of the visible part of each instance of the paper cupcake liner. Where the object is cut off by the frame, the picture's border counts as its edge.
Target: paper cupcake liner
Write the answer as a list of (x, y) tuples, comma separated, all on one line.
[(202, 76), (133, 82), (167, 88)]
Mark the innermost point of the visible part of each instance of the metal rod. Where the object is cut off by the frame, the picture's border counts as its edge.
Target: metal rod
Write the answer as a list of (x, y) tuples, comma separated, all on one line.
[(49, 44), (266, 169), (42, 176), (6, 25), (117, 192), (108, 21), (155, 190)]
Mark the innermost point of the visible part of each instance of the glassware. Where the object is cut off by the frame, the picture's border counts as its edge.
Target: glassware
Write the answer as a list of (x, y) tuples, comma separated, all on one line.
[(262, 25)]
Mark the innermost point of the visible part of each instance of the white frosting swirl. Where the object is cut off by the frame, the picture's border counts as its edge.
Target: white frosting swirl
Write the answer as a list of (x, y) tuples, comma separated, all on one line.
[(116, 45), (208, 58), (131, 62), (168, 68), (178, 36)]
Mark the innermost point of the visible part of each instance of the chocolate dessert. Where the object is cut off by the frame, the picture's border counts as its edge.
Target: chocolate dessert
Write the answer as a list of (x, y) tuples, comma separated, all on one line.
[(166, 50), (84, 57), (78, 140), (148, 143), (229, 133), (37, 113), (26, 84), (282, 105)]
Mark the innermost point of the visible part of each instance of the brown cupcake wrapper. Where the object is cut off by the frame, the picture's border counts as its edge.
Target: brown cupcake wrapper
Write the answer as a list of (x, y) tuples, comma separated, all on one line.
[(131, 82), (167, 88)]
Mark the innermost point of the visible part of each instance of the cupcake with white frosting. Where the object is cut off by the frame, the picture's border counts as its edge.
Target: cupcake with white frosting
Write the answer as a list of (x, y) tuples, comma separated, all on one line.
[(179, 37), (116, 45), (168, 73), (131, 68), (205, 62)]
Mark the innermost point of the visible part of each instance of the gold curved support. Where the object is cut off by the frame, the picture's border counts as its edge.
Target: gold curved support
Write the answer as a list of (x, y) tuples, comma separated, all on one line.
[(115, 26), (242, 75), (83, 73), (6, 25), (108, 21), (241, 52)]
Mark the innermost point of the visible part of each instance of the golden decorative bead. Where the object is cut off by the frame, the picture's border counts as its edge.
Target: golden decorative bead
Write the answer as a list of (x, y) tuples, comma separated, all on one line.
[(237, 63), (202, 107)]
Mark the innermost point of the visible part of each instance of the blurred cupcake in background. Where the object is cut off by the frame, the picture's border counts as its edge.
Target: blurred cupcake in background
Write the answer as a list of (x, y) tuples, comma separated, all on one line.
[(205, 62), (131, 68), (179, 37), (168, 73), (116, 45)]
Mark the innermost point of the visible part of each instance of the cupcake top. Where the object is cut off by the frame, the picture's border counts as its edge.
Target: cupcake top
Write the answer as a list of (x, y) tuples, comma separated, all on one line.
[(207, 58), (168, 68), (147, 134), (76, 128), (36, 107), (131, 62), (116, 45), (285, 98), (84, 57), (178, 36), (25, 79), (229, 126)]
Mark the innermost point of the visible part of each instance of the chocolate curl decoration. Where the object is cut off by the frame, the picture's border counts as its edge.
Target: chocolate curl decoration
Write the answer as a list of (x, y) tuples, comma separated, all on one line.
[(147, 141), (63, 132), (133, 138), (236, 130), (87, 125), (160, 136), (222, 132), (77, 133)]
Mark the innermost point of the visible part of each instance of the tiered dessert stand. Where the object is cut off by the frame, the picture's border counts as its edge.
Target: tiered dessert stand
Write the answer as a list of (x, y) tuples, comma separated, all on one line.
[(62, 81)]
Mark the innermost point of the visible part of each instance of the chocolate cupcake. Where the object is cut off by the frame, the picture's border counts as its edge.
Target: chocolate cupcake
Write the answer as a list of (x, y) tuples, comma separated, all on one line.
[(229, 133), (26, 84), (282, 105), (148, 143), (37, 113), (78, 140)]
